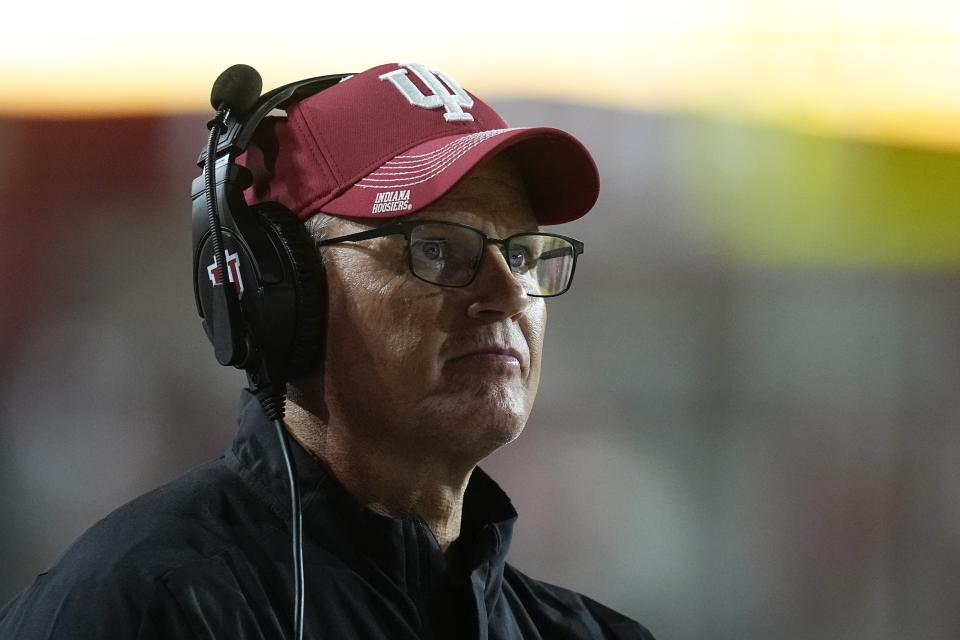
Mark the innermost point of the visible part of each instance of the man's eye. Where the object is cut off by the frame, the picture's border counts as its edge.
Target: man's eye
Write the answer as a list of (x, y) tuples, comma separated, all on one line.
[(519, 257), (430, 249)]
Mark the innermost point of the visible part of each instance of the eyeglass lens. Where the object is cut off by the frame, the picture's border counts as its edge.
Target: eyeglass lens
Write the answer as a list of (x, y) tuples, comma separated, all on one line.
[(448, 254)]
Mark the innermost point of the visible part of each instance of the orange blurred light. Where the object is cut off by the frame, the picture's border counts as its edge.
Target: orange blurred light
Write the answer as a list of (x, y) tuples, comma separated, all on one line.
[(874, 70)]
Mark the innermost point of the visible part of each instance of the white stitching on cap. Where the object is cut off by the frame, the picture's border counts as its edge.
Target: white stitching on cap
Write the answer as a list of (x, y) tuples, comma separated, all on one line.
[(438, 156), (433, 173), (448, 151), (480, 134), (463, 146), (423, 167)]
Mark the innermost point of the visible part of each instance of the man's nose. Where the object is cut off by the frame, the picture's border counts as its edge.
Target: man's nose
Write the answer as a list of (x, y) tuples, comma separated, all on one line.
[(496, 293)]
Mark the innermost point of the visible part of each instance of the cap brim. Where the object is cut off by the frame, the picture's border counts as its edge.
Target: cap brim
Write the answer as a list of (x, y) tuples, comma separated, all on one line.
[(558, 172)]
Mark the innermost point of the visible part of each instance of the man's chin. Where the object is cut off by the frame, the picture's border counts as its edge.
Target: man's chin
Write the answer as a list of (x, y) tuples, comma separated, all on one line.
[(480, 438), (500, 397), (490, 413)]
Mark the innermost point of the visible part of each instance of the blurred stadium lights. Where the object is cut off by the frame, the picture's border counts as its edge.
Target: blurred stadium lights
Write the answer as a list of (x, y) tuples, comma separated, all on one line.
[(883, 71)]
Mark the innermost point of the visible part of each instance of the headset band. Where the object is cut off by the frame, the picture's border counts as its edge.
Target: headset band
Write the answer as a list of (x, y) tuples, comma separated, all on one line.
[(240, 130)]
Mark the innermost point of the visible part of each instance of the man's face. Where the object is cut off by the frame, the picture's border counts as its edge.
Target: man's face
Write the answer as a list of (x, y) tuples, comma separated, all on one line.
[(428, 369)]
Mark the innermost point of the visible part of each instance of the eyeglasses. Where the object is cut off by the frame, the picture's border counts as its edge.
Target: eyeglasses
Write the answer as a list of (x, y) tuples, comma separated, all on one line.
[(450, 254)]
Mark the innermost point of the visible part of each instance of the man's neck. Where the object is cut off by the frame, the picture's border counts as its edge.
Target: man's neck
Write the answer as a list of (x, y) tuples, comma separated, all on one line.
[(390, 482)]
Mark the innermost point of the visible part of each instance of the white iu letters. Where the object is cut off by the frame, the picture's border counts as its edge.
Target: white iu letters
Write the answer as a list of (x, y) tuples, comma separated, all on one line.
[(454, 102), (233, 273)]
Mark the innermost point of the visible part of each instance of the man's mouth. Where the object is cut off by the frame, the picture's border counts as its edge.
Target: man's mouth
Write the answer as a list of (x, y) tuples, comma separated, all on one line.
[(490, 356)]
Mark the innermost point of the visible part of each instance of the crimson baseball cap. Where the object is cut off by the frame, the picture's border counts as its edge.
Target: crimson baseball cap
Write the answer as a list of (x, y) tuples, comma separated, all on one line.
[(391, 140)]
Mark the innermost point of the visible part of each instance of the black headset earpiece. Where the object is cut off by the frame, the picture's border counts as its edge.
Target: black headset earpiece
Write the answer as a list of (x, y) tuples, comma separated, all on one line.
[(270, 322), (300, 354)]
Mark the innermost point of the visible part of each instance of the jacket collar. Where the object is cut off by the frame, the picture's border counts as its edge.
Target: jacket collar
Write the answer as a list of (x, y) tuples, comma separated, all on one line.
[(402, 550)]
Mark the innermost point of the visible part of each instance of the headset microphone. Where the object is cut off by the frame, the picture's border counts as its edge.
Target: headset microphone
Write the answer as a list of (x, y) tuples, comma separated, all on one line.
[(237, 89)]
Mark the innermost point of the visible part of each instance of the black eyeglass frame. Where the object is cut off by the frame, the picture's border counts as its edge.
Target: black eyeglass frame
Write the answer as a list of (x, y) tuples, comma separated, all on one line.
[(406, 228)]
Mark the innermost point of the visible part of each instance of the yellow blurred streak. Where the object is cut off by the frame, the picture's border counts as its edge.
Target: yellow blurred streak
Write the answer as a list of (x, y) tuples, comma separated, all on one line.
[(772, 197), (883, 71)]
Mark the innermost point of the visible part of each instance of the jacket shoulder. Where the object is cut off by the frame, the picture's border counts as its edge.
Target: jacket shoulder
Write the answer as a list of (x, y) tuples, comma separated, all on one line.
[(560, 612), (107, 578)]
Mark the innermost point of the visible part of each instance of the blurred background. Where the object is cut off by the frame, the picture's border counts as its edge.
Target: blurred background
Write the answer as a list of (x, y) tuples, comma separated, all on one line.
[(749, 421)]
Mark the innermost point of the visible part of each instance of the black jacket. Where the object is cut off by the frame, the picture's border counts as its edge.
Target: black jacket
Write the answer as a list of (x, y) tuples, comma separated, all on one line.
[(208, 556)]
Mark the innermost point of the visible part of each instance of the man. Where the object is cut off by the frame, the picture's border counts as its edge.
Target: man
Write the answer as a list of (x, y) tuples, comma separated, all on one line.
[(436, 274)]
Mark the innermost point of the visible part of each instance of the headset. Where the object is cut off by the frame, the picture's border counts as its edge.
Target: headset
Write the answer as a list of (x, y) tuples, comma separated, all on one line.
[(270, 322)]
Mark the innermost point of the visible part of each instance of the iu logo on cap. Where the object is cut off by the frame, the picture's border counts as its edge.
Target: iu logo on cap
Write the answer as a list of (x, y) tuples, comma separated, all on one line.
[(233, 272), (447, 94)]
